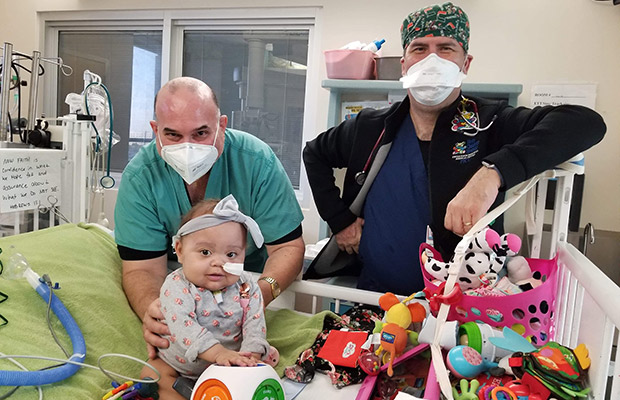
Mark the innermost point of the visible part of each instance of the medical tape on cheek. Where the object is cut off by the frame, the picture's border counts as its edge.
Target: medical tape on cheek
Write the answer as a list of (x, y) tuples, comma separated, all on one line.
[(233, 268)]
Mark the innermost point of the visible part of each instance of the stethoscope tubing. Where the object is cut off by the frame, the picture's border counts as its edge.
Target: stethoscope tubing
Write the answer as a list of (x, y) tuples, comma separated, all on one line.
[(360, 177)]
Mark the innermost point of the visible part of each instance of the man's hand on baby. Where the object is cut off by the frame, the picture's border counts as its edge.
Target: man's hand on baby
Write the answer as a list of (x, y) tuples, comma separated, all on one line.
[(348, 239), (153, 327)]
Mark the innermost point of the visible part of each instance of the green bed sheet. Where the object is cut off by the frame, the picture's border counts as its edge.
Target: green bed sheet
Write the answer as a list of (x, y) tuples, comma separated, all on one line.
[(84, 261)]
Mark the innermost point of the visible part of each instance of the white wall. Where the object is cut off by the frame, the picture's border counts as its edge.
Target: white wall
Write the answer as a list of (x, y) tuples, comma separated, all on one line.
[(526, 42)]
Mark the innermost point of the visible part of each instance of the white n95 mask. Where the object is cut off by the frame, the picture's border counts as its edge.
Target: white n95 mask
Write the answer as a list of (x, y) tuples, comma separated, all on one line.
[(431, 80), (190, 160)]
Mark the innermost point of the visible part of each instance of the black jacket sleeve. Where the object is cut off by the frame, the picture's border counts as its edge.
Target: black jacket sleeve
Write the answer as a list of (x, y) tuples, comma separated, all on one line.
[(329, 150), (534, 140), (347, 145)]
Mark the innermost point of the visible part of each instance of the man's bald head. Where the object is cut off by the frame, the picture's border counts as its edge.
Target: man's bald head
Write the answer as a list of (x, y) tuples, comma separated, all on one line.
[(201, 90), (186, 110)]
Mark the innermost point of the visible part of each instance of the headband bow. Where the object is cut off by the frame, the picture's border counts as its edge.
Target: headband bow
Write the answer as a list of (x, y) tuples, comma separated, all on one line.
[(227, 210)]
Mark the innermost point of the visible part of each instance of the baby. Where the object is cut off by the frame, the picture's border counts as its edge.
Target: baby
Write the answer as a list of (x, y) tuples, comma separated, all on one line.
[(214, 309)]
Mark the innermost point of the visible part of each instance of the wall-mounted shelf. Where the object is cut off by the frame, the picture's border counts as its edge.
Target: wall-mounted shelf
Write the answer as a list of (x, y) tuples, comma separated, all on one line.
[(339, 87)]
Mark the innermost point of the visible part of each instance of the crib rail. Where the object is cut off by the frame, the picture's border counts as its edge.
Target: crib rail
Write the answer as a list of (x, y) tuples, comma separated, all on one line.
[(588, 311), (14, 223), (318, 291)]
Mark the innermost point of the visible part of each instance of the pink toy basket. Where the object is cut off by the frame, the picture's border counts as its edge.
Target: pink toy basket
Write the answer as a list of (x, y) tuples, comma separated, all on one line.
[(529, 313)]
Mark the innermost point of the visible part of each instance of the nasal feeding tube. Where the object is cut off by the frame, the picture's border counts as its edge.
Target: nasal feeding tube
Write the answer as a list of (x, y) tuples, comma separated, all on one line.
[(17, 268)]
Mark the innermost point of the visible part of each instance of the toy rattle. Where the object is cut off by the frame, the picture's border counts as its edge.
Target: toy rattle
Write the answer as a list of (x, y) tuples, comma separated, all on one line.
[(370, 363), (466, 362)]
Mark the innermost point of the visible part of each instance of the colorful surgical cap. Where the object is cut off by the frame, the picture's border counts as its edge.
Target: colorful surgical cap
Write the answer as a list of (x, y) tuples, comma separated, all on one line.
[(439, 20)]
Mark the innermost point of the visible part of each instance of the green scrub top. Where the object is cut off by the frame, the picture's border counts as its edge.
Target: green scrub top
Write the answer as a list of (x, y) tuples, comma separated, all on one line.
[(152, 197)]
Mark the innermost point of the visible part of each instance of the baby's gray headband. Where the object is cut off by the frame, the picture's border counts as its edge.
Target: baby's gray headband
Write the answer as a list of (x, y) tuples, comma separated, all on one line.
[(227, 210)]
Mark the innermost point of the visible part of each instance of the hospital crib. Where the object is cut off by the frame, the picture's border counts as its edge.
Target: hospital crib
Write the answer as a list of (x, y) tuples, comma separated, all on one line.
[(587, 301), (586, 312)]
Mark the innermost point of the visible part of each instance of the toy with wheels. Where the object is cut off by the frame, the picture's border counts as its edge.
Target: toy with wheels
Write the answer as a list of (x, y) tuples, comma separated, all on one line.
[(238, 383)]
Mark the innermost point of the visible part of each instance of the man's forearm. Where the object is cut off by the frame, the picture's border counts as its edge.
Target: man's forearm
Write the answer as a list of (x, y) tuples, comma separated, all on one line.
[(141, 286), (284, 264)]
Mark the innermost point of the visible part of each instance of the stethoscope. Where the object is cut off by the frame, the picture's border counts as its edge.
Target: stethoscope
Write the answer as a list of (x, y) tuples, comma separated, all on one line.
[(360, 177), (106, 181), (473, 121)]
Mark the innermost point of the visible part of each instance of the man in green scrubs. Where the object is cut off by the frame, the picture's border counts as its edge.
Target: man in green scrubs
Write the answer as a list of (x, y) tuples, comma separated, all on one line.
[(200, 159)]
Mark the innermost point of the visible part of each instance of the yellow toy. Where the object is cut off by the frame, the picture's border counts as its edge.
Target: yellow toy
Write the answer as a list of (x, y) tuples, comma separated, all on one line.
[(394, 332)]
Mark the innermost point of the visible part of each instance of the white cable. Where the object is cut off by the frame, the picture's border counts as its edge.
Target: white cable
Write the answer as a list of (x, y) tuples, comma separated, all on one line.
[(25, 369), (58, 61), (107, 373)]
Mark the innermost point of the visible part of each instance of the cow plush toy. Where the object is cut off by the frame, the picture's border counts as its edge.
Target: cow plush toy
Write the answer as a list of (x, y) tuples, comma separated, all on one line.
[(489, 254)]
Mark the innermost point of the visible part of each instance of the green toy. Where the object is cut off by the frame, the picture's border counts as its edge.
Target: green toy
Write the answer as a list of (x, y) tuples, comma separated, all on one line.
[(468, 390)]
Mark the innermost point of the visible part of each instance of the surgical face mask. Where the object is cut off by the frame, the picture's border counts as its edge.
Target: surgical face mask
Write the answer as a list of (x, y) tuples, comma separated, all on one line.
[(431, 80), (190, 160)]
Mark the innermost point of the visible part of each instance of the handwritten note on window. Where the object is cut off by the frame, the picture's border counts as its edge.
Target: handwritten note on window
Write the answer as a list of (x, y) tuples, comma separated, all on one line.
[(29, 178)]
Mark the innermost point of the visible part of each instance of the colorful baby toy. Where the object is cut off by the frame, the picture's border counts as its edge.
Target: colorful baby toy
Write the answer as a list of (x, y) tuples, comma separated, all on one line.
[(394, 332)]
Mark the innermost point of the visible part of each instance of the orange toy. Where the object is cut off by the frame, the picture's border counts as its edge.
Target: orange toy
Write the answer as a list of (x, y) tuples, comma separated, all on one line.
[(394, 332)]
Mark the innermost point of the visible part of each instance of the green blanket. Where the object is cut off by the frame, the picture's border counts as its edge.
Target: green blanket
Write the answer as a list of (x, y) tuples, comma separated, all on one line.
[(291, 333), (85, 262)]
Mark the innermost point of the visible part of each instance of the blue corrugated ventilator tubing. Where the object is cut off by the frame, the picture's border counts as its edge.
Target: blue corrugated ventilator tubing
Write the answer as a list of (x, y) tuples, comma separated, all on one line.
[(44, 377)]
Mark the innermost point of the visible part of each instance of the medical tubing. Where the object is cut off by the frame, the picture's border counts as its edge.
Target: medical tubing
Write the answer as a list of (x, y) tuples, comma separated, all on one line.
[(111, 117), (44, 377), (10, 392), (49, 320)]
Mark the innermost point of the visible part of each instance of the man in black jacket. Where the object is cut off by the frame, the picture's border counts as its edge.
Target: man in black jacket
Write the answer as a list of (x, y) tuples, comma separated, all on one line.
[(433, 164)]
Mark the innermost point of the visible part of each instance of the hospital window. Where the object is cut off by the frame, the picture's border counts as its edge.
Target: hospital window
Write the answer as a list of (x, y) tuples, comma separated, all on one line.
[(259, 75), (129, 64), (260, 79)]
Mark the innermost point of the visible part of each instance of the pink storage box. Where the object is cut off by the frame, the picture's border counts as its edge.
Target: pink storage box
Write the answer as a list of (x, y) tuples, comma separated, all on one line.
[(350, 64)]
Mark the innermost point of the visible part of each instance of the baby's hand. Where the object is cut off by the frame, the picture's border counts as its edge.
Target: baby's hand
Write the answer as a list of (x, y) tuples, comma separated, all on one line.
[(228, 357)]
